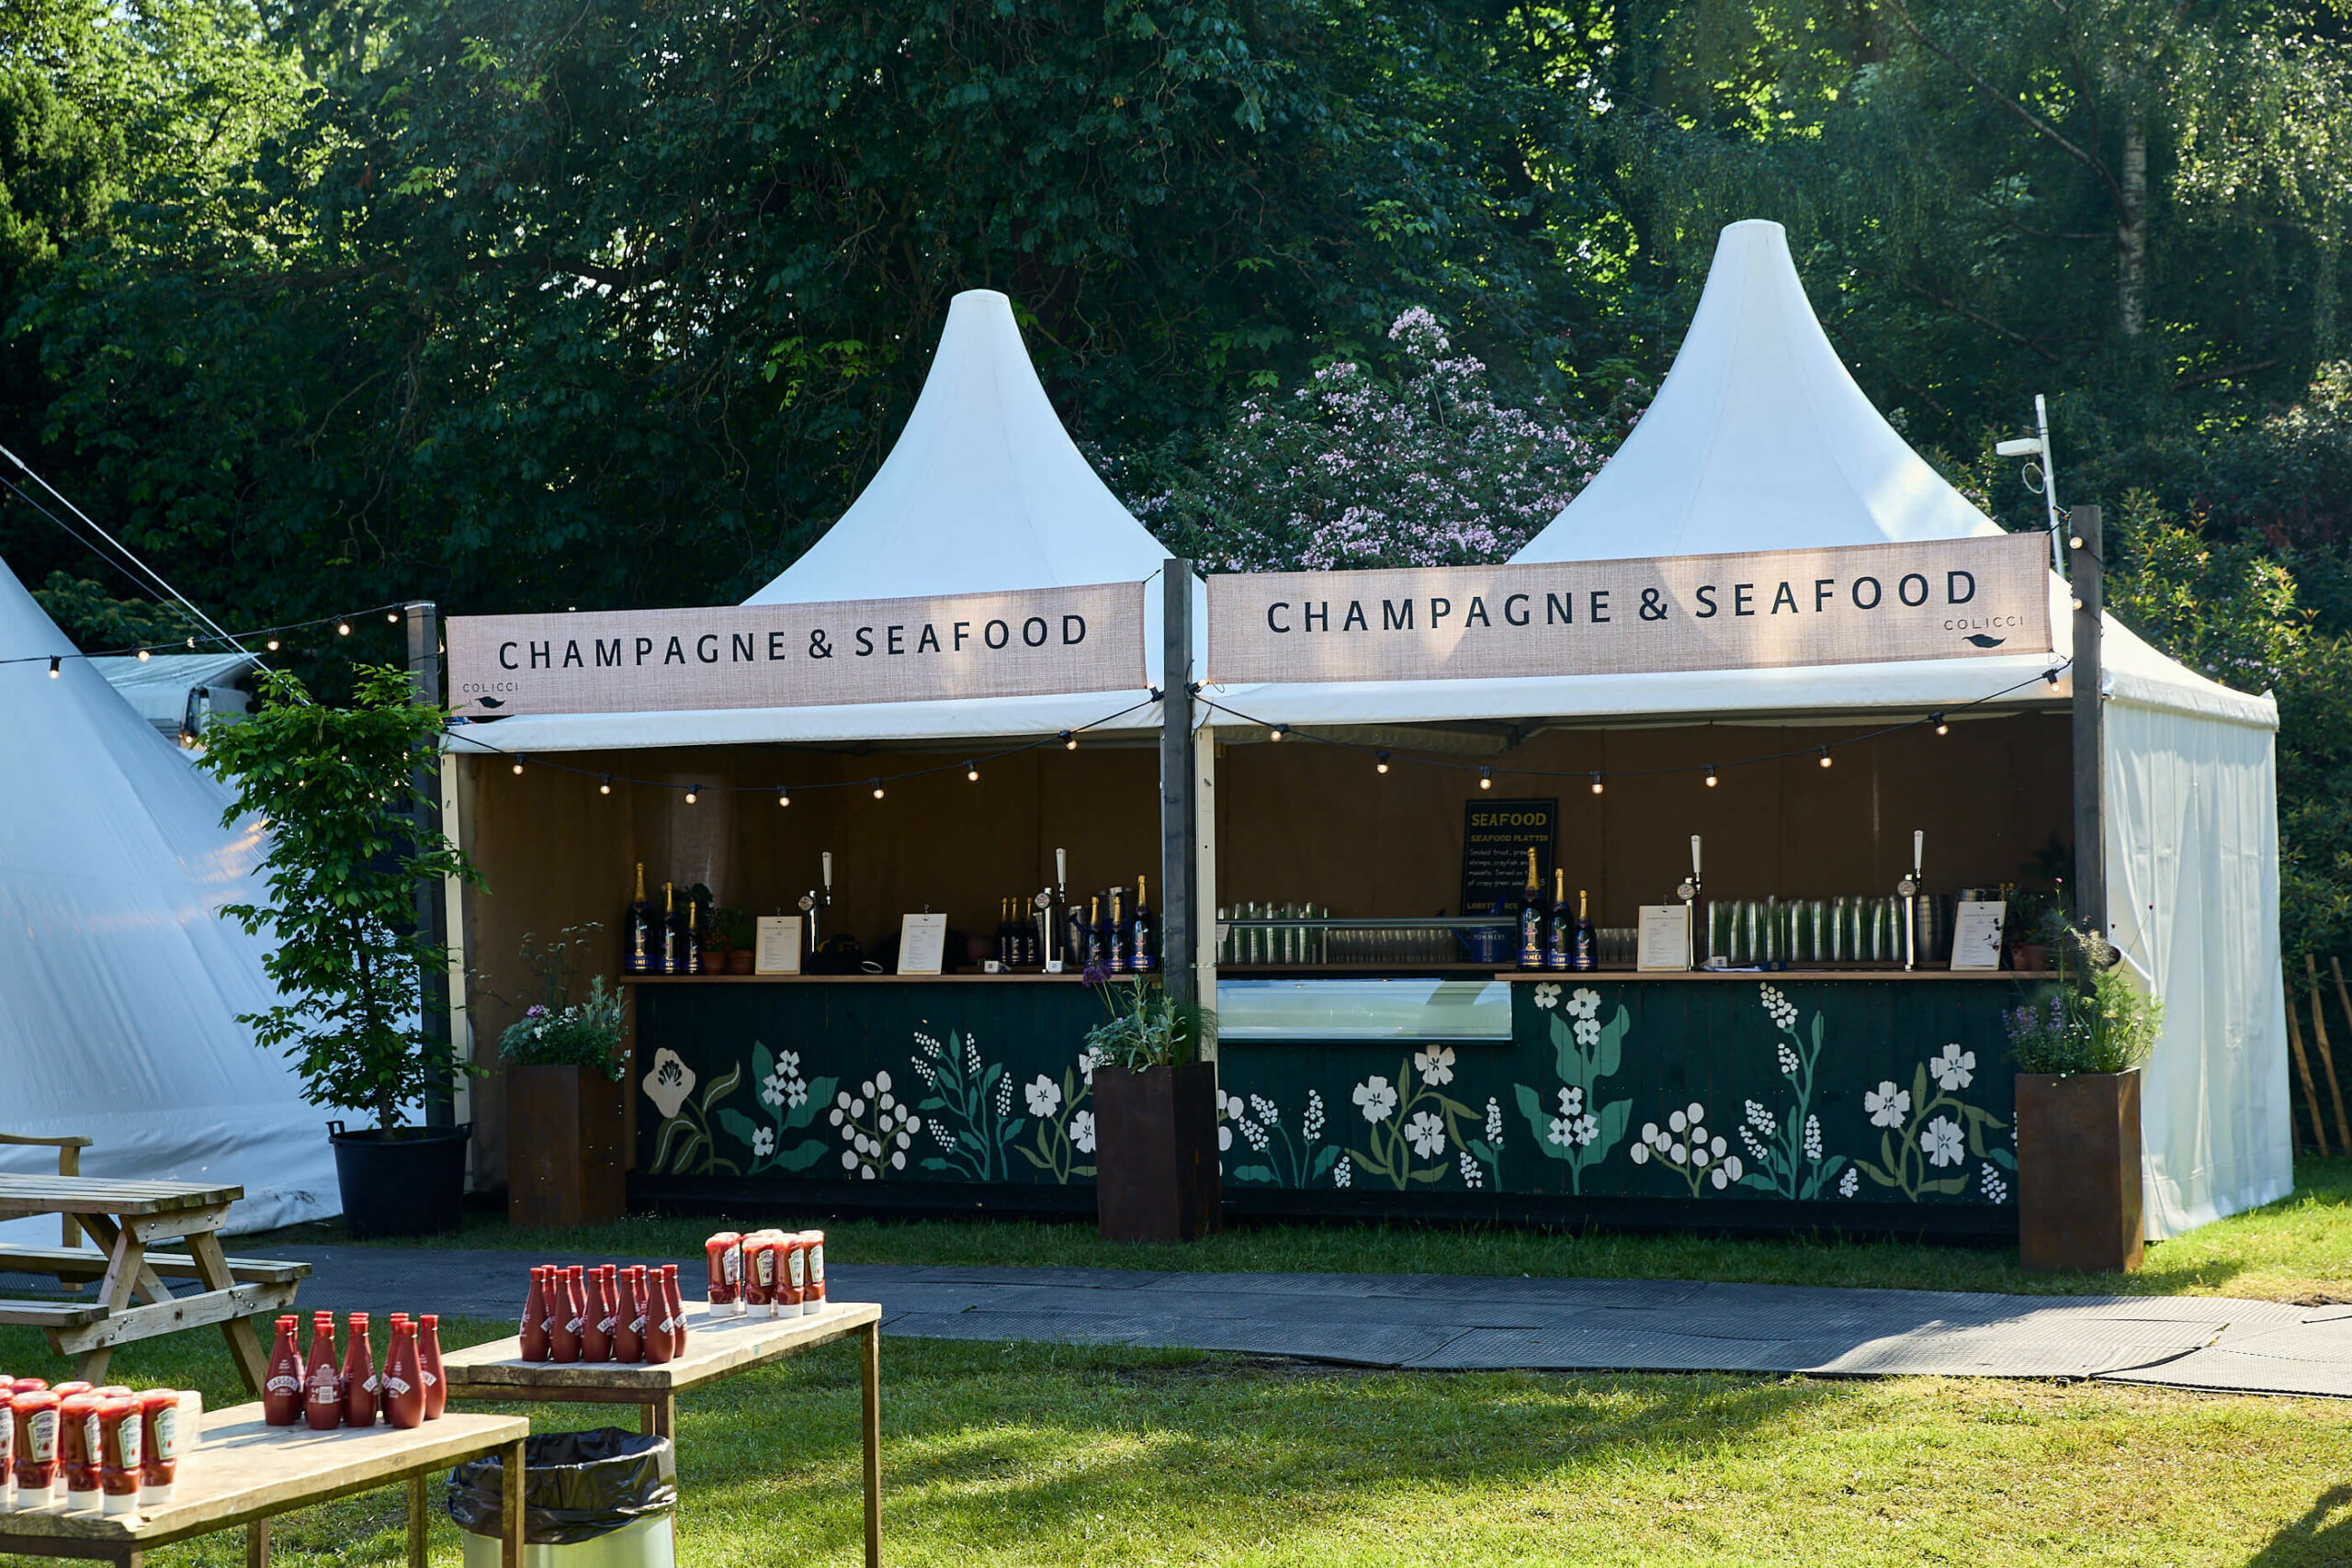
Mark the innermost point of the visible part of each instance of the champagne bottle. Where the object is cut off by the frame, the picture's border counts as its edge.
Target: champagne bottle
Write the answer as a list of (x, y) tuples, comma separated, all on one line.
[(674, 941), (641, 952), (1142, 941), (1115, 935), (690, 940), (1530, 918), (1562, 935), (1586, 952), (1091, 937)]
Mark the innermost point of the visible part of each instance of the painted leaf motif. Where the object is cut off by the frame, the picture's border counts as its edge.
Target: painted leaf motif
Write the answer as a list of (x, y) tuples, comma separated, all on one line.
[(1612, 1043), (1759, 1180), (933, 1162), (1035, 1158), (763, 1063), (1949, 1185), (820, 1094), (1085, 1170), (739, 1126), (1566, 1059), (1432, 1174), (662, 1144), (719, 1088), (1875, 1174), (1323, 1162), (2003, 1159), (1253, 1173), (1615, 1117), (1818, 1023), (803, 1156), (1539, 1120)]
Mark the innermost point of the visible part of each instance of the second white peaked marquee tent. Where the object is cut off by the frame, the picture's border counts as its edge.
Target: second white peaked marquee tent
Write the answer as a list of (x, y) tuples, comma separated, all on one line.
[(1759, 439)]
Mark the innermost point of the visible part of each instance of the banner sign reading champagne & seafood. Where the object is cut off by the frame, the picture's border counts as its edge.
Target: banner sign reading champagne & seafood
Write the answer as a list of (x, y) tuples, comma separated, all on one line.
[(1850, 604), (1028, 642)]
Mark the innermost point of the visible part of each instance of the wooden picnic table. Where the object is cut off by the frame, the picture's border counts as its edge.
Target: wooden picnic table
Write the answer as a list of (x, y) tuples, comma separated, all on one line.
[(244, 1472), (126, 1218), (717, 1346)]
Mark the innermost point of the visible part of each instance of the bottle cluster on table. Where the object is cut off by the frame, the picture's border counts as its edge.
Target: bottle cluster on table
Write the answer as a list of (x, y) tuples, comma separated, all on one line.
[(766, 1273), (77, 1447), (324, 1392), (1112, 931)]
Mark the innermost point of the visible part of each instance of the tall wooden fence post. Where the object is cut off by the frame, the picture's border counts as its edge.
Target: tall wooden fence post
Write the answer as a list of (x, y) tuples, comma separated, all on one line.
[(432, 909)]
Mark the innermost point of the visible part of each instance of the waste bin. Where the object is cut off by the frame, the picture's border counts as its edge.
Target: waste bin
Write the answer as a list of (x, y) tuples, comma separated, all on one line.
[(594, 1499)]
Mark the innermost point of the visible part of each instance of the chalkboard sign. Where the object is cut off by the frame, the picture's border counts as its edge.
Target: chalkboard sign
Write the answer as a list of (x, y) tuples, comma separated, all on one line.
[(1496, 836)]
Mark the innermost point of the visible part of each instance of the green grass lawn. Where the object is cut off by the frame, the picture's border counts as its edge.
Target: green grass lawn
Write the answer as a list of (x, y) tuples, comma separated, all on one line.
[(1042, 1454), (2298, 1250)]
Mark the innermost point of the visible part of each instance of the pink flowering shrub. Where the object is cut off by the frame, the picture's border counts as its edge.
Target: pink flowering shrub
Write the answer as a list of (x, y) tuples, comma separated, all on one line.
[(1353, 469)]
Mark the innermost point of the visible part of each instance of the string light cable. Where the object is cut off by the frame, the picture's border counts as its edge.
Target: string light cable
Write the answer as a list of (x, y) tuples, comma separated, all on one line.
[(466, 740), (1938, 721), (234, 639)]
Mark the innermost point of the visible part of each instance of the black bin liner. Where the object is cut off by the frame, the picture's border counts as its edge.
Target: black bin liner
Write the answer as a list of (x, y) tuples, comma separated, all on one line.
[(576, 1486)]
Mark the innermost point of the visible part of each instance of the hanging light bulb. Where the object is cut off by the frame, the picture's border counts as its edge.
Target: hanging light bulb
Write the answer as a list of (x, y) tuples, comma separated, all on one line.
[(144, 655), (1710, 775), (518, 764), (273, 645), (1277, 732), (2051, 676), (1824, 756), (877, 789), (2078, 601), (1380, 762), (1486, 778), (1938, 720), (191, 642), (342, 628), (693, 790), (393, 617), (1596, 781), (1070, 742), (972, 772), (52, 666), (783, 795), (605, 786)]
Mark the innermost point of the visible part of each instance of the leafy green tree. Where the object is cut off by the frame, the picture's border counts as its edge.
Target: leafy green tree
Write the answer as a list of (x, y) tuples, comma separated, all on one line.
[(338, 789)]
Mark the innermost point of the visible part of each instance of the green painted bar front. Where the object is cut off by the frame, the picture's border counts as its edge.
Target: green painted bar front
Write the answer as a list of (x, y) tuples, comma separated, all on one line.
[(1869, 1101)]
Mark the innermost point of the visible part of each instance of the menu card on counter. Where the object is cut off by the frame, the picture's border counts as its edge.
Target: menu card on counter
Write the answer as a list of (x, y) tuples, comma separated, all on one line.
[(1665, 937), (1976, 934), (778, 948), (922, 944)]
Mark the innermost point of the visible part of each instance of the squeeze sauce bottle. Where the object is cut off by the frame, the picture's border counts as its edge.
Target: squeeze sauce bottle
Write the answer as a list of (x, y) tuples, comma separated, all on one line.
[(428, 1361), (77, 1450), (281, 1389), (596, 1326), (628, 1319), (535, 1318), (119, 1451), (677, 1309), (359, 1376), (35, 1416), (159, 1444), (321, 1384), (403, 1381)]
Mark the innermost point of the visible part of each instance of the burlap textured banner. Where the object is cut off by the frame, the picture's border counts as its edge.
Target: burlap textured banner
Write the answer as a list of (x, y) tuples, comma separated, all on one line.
[(1858, 604), (1033, 642)]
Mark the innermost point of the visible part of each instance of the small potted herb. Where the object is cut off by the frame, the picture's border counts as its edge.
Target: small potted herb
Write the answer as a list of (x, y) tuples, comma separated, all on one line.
[(729, 952), (1155, 1114), (564, 1062), (2078, 1046)]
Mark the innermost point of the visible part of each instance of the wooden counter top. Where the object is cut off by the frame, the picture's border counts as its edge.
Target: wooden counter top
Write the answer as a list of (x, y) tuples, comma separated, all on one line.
[(1894, 972)]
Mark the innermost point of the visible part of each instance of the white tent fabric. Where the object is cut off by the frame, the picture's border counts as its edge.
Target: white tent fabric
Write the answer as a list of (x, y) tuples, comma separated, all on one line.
[(983, 491), (1758, 440), (158, 688), (120, 983)]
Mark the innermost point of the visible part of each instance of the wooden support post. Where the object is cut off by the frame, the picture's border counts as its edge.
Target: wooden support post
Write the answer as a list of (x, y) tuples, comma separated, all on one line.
[(869, 1363), (2303, 1071), (432, 898), (2326, 1055), (257, 1544), (2083, 541), (1179, 912), (416, 1522), (510, 1507)]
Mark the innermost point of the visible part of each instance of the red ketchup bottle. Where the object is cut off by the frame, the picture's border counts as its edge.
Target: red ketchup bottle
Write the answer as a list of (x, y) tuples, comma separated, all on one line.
[(119, 1452), (322, 1383), (359, 1376), (428, 1362), (575, 1279), (792, 1275), (403, 1381), (661, 1336), (812, 1299), (34, 1414), (7, 1443), (723, 1252), (759, 1274), (535, 1318), (596, 1328), (159, 1447), (629, 1317), (77, 1449), (281, 1389), (563, 1326), (677, 1309)]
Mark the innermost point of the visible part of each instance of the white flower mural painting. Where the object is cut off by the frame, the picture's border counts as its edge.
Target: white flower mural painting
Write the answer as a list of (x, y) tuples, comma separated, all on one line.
[(1685, 1146), (1410, 1124), (1927, 1130), (1577, 1129), (1281, 1159), (1784, 1146)]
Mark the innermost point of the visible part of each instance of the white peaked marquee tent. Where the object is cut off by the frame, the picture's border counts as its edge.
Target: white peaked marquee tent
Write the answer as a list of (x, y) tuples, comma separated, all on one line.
[(984, 492), (1759, 439), (120, 982)]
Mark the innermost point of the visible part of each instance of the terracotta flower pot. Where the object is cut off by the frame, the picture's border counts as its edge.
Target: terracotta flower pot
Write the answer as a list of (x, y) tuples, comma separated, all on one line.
[(2029, 957), (1155, 1152), (738, 960), (2078, 1171), (564, 1165)]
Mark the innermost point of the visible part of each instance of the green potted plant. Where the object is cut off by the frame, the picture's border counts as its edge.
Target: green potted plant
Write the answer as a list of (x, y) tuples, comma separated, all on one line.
[(340, 791), (731, 938), (564, 1063), (2078, 1046), (1155, 1114)]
